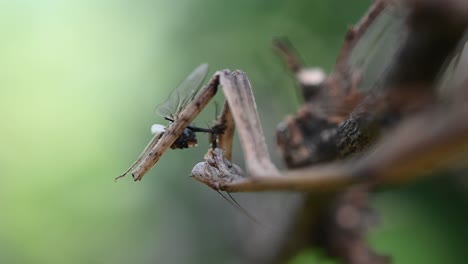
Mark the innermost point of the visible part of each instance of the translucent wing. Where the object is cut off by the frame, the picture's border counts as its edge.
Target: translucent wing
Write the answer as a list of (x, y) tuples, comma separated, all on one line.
[(455, 74), (376, 50), (371, 58), (183, 94)]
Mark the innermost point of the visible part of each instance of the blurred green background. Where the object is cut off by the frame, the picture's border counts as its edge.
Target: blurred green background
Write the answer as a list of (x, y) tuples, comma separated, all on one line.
[(79, 82)]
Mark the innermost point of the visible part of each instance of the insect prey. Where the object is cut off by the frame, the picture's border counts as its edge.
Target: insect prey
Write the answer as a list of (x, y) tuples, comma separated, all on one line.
[(181, 107)]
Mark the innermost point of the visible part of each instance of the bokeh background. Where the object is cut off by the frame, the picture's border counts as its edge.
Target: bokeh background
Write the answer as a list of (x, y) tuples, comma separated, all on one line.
[(79, 81)]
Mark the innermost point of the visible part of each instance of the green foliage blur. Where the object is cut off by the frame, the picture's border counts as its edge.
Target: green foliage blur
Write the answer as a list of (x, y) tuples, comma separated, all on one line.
[(79, 82)]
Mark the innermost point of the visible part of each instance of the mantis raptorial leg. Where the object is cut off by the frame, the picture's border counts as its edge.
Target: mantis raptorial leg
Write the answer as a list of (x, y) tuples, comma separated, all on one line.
[(143, 155), (391, 160)]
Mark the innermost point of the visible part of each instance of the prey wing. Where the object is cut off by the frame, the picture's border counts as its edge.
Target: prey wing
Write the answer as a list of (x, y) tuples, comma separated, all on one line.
[(185, 92)]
